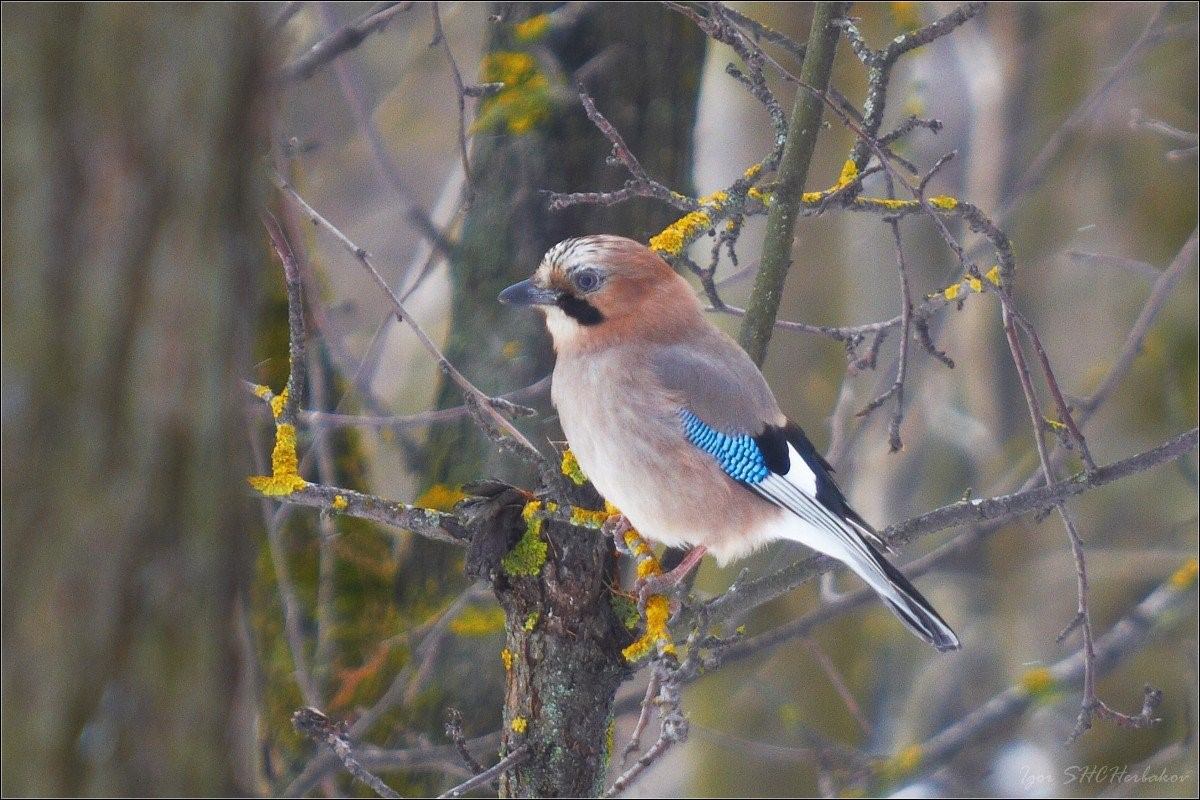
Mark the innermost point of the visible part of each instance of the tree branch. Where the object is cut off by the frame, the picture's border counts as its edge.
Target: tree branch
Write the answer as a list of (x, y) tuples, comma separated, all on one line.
[(751, 594), (323, 730), (805, 123), (1120, 642), (342, 40), (438, 525)]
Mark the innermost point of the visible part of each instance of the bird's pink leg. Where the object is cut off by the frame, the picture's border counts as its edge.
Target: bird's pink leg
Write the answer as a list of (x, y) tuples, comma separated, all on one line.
[(668, 581)]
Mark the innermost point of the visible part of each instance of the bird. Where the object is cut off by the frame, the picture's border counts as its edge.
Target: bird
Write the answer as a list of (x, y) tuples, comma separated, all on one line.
[(675, 425)]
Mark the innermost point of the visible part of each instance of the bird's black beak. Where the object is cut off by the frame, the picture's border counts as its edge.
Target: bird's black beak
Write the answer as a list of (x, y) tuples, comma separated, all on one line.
[(526, 293)]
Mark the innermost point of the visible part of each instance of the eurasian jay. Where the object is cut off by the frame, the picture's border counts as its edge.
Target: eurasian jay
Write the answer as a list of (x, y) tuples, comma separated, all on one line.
[(676, 427)]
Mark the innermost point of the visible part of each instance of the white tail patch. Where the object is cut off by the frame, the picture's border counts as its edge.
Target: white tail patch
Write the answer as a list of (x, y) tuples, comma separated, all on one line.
[(823, 530)]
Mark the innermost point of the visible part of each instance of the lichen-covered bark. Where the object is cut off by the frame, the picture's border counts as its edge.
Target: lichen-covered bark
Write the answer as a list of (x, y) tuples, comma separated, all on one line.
[(563, 647), (130, 245), (642, 64)]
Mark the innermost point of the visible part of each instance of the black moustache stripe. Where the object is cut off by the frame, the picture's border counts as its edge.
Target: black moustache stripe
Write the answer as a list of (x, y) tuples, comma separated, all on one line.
[(580, 310)]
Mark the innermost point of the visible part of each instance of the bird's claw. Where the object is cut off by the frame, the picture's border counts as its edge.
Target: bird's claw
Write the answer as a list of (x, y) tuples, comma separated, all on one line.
[(657, 585), (616, 527)]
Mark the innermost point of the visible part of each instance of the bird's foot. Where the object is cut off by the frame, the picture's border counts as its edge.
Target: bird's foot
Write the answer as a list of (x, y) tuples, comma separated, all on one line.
[(668, 583), (657, 586), (617, 526)]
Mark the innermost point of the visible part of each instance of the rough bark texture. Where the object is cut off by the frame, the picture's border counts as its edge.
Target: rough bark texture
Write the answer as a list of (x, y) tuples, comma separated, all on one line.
[(129, 246), (642, 64), (563, 647)]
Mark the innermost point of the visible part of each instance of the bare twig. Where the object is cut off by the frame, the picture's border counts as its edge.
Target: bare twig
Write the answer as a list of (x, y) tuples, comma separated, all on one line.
[(879, 65), (673, 728), (469, 391), (839, 684), (639, 727), (1162, 290), (640, 185), (342, 40), (395, 693), (323, 730), (439, 37), (327, 552), (386, 167), (1038, 168), (1130, 265), (751, 594), (454, 732), (296, 333), (897, 388), (1090, 704), (1120, 642), (504, 403), (513, 759)]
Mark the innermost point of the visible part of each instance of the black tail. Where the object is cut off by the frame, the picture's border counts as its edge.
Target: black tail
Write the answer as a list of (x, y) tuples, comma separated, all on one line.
[(915, 611)]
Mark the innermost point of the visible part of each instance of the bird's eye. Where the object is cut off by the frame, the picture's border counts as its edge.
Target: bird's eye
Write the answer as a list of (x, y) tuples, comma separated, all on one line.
[(586, 280)]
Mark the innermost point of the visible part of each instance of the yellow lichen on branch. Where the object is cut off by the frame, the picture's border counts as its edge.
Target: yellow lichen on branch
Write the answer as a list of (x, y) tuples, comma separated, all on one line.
[(586, 518), (658, 607), (532, 29), (680, 233), (570, 468), (441, 497), (1185, 577), (279, 403), (285, 465), (847, 176), (903, 763)]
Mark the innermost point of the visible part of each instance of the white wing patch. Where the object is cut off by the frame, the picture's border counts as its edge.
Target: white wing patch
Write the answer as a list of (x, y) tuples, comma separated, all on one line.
[(820, 528), (826, 531)]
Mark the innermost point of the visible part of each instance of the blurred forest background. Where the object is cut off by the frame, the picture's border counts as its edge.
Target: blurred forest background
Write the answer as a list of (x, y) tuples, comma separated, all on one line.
[(161, 626)]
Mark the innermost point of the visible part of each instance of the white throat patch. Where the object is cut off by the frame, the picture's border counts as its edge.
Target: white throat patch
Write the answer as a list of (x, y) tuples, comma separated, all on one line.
[(563, 329)]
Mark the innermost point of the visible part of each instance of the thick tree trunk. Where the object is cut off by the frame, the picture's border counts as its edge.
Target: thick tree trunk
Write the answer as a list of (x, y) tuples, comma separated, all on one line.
[(562, 653), (129, 243), (642, 64)]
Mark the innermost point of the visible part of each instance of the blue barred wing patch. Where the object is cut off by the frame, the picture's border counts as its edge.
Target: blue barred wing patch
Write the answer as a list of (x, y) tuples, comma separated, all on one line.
[(739, 456)]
